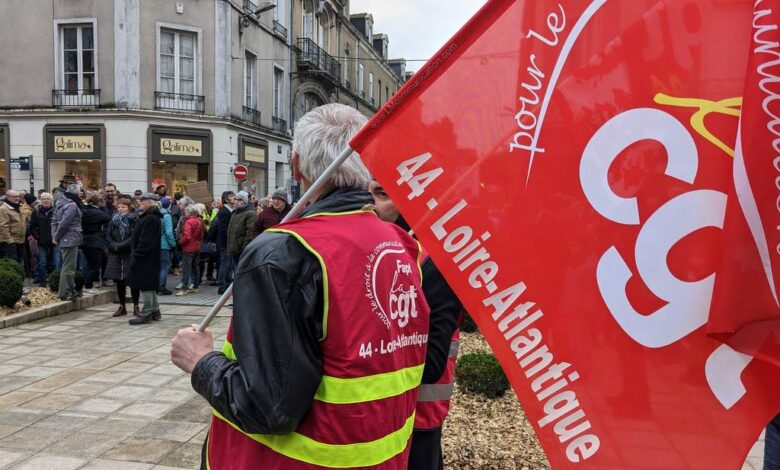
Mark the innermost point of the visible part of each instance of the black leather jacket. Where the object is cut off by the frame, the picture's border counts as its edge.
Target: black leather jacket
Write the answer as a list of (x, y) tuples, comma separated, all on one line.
[(277, 324)]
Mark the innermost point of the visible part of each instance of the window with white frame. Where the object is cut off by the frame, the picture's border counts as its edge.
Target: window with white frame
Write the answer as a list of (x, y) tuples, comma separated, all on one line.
[(361, 89), (278, 91), (250, 80), (178, 65), (279, 11), (371, 86), (308, 19), (77, 46)]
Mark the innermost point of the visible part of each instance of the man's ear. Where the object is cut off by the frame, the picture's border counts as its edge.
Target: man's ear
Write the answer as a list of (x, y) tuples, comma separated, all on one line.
[(296, 169)]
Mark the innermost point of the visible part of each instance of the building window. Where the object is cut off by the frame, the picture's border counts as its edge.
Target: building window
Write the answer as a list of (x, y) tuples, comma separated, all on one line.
[(250, 81), (178, 66), (346, 69), (361, 88), (78, 58), (387, 94), (308, 19), (278, 91), (371, 87), (379, 91), (279, 170), (323, 32)]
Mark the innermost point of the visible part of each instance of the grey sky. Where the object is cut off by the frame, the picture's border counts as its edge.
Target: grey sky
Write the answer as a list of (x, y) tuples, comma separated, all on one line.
[(417, 28)]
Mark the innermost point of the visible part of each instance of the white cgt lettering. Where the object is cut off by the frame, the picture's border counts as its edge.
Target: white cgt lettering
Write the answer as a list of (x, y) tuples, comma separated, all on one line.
[(688, 303)]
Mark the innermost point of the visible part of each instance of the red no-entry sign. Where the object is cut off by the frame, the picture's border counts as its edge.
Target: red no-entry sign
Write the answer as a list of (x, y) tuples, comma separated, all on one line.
[(240, 172)]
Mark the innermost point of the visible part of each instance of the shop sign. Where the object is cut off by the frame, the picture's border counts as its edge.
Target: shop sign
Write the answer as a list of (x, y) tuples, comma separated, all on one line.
[(254, 154), (182, 147), (74, 144)]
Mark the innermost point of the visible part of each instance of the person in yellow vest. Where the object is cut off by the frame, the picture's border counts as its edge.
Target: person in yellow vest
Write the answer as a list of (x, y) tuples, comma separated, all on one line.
[(433, 402), (325, 353)]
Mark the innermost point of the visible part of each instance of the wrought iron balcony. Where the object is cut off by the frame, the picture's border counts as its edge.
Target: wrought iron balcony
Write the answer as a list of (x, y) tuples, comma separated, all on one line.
[(280, 29), (250, 5), (348, 85), (179, 102), (252, 116), (280, 125), (363, 94), (76, 98), (315, 60)]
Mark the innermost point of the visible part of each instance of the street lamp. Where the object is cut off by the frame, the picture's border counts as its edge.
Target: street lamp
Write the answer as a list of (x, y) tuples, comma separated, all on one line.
[(265, 6)]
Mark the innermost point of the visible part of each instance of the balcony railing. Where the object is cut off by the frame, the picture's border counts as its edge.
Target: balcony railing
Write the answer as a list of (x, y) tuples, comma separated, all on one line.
[(252, 116), (250, 6), (280, 29), (363, 94), (280, 125), (314, 59), (76, 98), (179, 102), (348, 85)]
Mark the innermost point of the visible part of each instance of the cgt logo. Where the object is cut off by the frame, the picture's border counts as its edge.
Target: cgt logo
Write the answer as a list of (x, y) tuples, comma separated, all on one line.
[(687, 304), (392, 299)]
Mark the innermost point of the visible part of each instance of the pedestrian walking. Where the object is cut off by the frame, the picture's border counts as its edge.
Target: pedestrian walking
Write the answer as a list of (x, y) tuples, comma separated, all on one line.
[(190, 241), (93, 224), (67, 235), (12, 227), (40, 230), (167, 245), (118, 240), (145, 257), (290, 388), (241, 226)]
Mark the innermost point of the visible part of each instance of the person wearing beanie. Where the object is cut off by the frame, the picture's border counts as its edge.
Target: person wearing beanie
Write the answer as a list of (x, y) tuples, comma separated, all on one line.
[(273, 214), (241, 226), (67, 235), (12, 227)]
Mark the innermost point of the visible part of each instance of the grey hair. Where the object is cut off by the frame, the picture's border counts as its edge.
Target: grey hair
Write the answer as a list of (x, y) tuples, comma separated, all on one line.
[(187, 201), (191, 209), (321, 135), (74, 189)]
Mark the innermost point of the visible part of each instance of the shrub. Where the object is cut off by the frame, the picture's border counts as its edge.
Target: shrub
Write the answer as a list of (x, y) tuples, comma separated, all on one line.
[(54, 280), (468, 325), (9, 264), (12, 288), (480, 373)]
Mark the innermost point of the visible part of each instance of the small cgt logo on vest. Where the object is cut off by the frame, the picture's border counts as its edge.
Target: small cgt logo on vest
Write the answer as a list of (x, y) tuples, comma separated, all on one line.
[(391, 300)]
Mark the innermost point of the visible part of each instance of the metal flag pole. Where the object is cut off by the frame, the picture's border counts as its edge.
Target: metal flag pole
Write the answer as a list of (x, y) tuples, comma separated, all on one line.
[(314, 189)]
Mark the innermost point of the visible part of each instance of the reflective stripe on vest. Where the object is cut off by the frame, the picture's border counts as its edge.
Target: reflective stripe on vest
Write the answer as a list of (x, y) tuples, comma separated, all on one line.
[(454, 348), (435, 392), (363, 454)]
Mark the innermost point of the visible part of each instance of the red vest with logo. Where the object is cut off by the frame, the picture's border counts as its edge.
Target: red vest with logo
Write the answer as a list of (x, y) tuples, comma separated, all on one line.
[(433, 401), (375, 328)]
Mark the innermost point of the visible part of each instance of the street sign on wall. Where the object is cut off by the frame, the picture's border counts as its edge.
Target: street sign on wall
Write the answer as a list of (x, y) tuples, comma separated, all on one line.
[(240, 172)]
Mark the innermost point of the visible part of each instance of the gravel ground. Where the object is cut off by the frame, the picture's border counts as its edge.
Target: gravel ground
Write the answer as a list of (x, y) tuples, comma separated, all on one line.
[(489, 434), (38, 296)]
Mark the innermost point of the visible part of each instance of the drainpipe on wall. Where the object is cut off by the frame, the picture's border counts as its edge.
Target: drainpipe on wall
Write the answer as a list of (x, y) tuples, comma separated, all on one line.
[(291, 40)]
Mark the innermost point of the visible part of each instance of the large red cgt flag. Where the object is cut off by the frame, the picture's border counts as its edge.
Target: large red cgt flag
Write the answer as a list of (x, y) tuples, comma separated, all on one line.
[(568, 164)]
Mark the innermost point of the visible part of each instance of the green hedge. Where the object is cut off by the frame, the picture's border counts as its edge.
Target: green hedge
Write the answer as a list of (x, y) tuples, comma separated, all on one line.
[(54, 280), (12, 287), (480, 373), (12, 265)]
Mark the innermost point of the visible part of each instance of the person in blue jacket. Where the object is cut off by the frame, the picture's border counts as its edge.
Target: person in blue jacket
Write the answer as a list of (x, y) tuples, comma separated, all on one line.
[(167, 245)]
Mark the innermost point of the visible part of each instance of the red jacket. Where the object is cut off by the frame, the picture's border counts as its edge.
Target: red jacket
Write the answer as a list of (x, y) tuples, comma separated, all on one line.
[(191, 235)]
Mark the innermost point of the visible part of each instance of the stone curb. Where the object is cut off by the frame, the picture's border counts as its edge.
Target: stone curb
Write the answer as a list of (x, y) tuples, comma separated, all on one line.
[(57, 308)]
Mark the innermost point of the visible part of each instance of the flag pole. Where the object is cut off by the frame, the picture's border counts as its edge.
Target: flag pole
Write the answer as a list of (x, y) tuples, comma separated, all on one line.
[(314, 189)]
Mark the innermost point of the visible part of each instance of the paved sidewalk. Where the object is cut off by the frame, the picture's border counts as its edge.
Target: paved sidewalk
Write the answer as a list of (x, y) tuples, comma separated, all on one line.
[(84, 390), (206, 295)]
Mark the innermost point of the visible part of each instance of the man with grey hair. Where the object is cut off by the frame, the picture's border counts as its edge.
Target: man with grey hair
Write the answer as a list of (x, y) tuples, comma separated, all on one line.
[(12, 227), (67, 235), (40, 230), (313, 363)]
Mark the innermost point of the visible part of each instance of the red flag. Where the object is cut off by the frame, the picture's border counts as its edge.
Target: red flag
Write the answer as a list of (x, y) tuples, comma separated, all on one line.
[(746, 309), (567, 164)]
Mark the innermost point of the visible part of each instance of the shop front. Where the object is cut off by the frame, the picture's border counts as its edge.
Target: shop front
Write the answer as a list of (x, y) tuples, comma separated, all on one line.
[(5, 159), (253, 153), (75, 152), (179, 157)]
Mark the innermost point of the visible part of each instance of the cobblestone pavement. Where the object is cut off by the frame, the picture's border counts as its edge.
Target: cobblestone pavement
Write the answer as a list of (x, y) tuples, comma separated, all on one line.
[(87, 391)]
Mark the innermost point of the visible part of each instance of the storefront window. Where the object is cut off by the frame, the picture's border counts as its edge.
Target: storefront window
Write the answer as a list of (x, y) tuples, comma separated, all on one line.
[(255, 183), (89, 173), (3, 175), (176, 176)]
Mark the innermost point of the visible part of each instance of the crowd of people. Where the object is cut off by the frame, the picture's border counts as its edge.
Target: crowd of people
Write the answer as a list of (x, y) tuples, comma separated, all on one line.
[(132, 240)]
